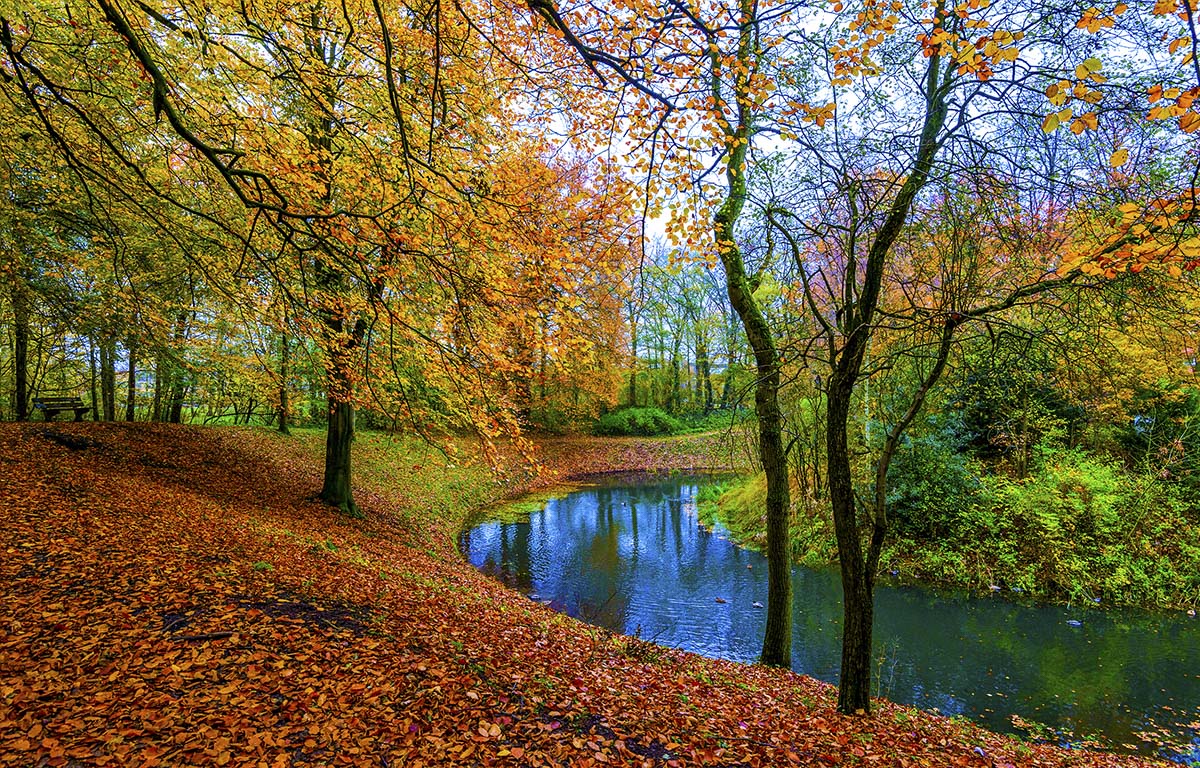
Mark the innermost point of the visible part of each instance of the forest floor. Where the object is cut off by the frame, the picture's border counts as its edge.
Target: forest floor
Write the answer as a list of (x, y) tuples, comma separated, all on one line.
[(175, 596)]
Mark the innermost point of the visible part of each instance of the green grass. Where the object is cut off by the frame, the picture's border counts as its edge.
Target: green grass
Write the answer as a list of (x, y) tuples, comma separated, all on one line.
[(740, 505), (518, 510)]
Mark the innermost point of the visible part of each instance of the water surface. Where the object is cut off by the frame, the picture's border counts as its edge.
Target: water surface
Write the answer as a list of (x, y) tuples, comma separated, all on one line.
[(633, 558)]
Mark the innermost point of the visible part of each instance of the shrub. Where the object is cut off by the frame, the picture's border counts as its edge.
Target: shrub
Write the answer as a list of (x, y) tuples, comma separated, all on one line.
[(932, 489), (637, 422)]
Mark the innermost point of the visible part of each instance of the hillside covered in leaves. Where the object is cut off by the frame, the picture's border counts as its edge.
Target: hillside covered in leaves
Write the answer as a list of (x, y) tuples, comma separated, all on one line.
[(176, 596)]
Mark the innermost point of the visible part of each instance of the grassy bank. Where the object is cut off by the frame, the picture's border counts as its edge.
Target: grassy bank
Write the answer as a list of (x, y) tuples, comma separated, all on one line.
[(175, 596), (1079, 531)]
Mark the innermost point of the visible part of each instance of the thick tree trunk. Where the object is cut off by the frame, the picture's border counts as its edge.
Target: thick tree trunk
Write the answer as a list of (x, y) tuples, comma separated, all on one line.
[(854, 685), (777, 639), (858, 307), (95, 391), (337, 490), (20, 305), (858, 615), (178, 393), (108, 377), (131, 383), (284, 373)]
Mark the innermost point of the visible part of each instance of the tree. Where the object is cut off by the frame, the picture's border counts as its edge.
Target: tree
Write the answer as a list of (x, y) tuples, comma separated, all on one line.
[(372, 175)]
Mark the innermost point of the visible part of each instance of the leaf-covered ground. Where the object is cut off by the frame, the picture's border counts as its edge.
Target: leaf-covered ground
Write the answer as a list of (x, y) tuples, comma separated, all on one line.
[(174, 596)]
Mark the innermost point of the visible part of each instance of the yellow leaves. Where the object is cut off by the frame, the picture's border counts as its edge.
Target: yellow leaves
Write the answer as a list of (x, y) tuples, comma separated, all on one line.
[(1058, 93), (1089, 66), (813, 114), (1055, 119), (1094, 20), (1063, 92), (1085, 122), (1174, 103), (1118, 158)]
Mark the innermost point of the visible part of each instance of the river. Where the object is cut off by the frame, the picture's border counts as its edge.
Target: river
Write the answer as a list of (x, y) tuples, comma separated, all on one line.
[(632, 557)]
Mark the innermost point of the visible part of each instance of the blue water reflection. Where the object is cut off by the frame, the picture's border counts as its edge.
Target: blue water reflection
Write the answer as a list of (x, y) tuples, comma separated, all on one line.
[(634, 559)]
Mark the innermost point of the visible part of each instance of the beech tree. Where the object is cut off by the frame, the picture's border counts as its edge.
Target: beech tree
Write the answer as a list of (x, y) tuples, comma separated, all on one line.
[(367, 168)]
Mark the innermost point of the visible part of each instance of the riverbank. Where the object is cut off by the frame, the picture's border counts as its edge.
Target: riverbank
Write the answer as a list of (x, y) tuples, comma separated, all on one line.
[(174, 596), (1048, 539)]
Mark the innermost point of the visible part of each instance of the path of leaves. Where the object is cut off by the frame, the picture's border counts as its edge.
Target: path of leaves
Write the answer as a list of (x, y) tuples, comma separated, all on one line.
[(172, 596)]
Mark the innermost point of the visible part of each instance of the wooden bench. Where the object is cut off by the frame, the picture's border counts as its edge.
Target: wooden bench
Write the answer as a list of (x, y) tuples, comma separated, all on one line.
[(52, 406)]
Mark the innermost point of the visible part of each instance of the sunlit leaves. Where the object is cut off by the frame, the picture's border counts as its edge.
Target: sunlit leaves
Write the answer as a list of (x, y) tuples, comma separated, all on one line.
[(1136, 237), (1093, 20), (1168, 101), (1065, 92)]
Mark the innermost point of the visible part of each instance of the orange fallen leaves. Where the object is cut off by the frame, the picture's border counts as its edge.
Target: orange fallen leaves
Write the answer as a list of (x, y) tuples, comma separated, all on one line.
[(135, 630)]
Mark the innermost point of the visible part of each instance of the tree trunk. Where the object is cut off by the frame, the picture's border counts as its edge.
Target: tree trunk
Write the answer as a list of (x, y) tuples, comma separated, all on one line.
[(854, 685), (633, 366), (284, 372), (160, 387), (704, 369), (675, 397), (20, 305), (178, 393), (337, 490), (858, 307), (777, 639), (131, 383), (94, 390), (108, 378)]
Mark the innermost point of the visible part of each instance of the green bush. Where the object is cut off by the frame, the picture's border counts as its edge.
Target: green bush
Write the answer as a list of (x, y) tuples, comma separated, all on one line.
[(932, 489), (1082, 527), (637, 422)]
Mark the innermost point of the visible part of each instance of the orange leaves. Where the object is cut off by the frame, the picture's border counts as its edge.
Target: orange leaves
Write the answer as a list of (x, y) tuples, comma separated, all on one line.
[(1093, 20), (875, 21), (1167, 102), (143, 543), (978, 57), (1137, 238), (1167, 7), (1063, 92), (1088, 121), (817, 115), (1175, 102)]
